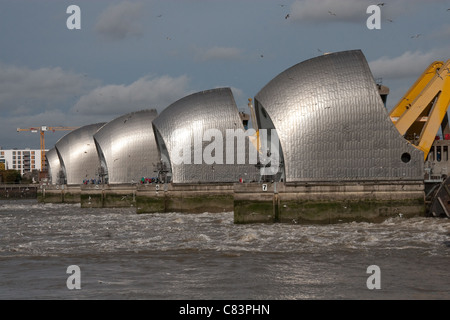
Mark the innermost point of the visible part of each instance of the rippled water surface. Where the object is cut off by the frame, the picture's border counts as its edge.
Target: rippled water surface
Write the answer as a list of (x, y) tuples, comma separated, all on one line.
[(123, 255)]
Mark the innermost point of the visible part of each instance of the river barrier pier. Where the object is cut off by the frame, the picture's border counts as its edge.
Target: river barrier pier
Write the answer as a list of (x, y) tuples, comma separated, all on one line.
[(254, 202)]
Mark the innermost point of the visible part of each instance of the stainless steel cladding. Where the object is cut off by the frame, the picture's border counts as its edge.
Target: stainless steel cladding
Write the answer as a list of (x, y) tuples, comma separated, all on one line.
[(127, 147), (78, 154), (54, 167), (332, 124), (185, 122)]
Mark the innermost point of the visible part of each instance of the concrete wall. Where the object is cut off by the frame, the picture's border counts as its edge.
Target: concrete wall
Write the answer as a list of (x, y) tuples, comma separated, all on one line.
[(327, 203), (301, 203), (18, 192), (59, 194), (185, 198), (108, 196)]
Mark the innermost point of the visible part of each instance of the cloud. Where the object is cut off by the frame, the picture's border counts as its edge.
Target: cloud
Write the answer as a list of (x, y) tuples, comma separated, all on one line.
[(409, 64), (350, 11), (121, 20), (144, 93), (25, 91), (219, 53), (320, 11)]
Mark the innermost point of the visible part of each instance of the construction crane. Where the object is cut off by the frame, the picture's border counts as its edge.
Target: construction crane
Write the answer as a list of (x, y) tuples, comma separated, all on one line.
[(42, 130), (423, 109), (418, 116)]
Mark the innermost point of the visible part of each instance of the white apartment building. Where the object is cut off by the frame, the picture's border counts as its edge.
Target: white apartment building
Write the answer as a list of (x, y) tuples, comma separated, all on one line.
[(24, 161)]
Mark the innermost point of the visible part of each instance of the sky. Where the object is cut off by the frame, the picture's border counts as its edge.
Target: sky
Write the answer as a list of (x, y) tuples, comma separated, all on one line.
[(134, 55)]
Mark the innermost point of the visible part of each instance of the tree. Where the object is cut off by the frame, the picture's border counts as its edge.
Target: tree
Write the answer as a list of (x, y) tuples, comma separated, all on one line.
[(10, 176)]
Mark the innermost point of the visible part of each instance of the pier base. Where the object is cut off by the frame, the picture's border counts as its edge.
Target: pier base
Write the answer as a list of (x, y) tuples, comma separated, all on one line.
[(256, 202), (327, 203)]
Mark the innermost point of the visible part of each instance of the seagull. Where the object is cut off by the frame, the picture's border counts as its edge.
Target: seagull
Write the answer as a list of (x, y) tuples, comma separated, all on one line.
[(332, 13), (416, 36), (287, 16), (381, 4), (390, 20)]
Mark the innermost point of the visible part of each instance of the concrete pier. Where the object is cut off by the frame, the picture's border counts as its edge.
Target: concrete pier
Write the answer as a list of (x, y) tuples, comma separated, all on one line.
[(327, 203), (256, 202), (108, 196), (188, 198), (59, 194)]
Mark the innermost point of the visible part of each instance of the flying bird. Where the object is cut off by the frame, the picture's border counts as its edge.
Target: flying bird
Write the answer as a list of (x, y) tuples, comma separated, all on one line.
[(332, 13), (416, 36), (381, 4), (390, 20), (287, 16)]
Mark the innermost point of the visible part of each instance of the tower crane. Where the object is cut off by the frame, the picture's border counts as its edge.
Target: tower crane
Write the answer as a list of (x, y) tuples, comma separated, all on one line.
[(42, 130)]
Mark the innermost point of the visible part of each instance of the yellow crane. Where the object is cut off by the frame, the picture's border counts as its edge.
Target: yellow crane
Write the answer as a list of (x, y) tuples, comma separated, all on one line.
[(42, 130), (423, 109)]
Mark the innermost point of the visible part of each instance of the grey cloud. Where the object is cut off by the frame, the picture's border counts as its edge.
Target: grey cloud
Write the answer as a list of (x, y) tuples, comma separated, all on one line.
[(24, 90), (349, 11), (329, 11), (121, 20), (409, 64), (219, 53), (144, 93)]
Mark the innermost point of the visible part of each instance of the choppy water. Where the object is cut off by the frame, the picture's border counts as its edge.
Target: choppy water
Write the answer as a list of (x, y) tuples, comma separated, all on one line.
[(123, 255)]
